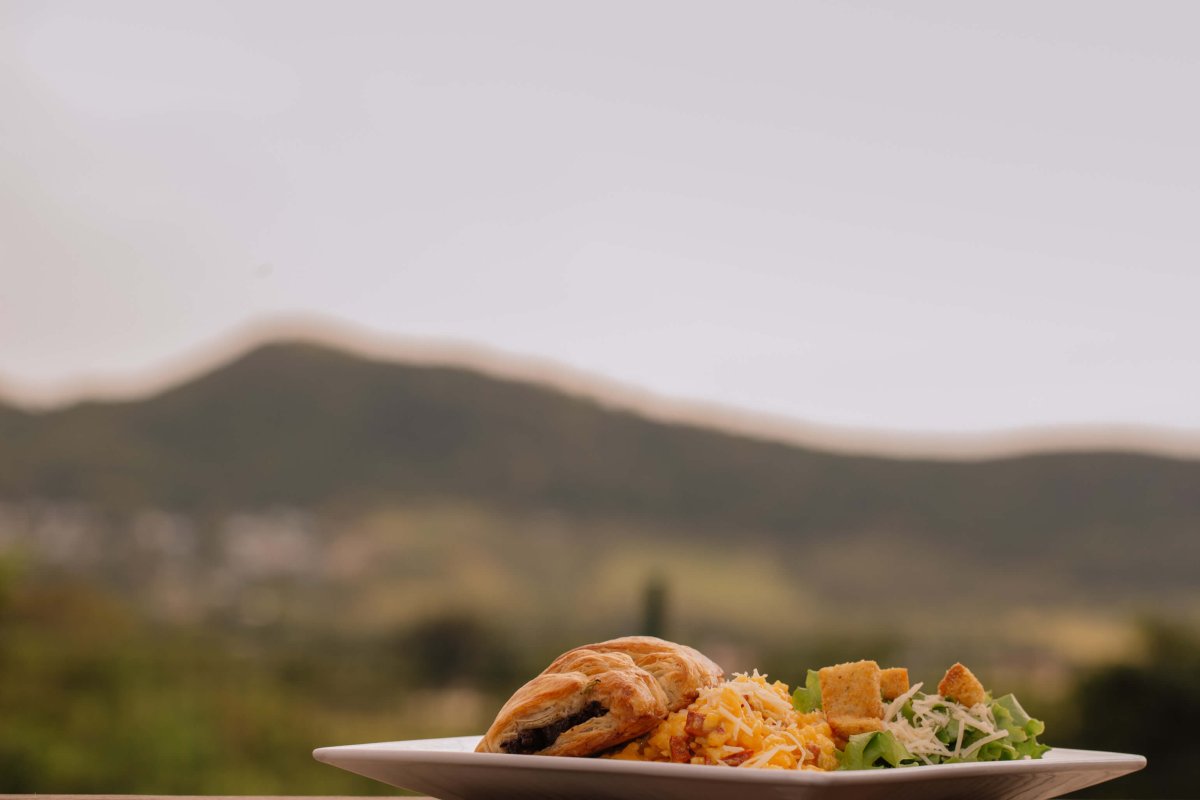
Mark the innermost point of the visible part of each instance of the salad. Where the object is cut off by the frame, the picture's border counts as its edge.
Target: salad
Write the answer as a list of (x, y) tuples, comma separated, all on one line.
[(960, 722)]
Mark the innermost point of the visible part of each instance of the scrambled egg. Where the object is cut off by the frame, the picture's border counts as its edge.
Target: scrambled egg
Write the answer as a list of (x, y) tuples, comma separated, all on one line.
[(743, 722)]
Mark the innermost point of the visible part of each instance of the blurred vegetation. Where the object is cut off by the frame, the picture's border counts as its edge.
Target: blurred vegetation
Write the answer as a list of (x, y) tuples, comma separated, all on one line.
[(1143, 705), (96, 698), (305, 548)]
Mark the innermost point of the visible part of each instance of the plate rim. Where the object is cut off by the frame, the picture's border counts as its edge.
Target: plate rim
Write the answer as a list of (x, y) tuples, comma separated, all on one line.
[(1059, 759)]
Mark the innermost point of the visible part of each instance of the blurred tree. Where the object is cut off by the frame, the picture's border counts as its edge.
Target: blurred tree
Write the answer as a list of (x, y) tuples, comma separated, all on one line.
[(457, 648), (654, 607), (1145, 706), (7, 579)]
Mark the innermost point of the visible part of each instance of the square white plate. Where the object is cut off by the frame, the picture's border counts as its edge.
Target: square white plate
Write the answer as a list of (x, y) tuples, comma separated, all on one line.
[(450, 769)]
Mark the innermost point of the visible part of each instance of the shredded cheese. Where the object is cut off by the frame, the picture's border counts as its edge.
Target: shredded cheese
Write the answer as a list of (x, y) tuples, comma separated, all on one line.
[(894, 707), (932, 713), (747, 722)]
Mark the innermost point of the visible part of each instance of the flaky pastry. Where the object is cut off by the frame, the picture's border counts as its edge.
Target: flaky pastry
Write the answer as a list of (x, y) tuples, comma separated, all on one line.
[(681, 671), (598, 696)]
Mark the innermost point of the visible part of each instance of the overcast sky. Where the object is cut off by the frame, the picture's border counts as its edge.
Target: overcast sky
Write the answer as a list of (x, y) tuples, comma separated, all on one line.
[(928, 216)]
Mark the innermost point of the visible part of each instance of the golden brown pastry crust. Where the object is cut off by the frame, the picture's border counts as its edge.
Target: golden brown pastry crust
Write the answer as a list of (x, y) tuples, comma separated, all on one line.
[(681, 671), (636, 681), (631, 700)]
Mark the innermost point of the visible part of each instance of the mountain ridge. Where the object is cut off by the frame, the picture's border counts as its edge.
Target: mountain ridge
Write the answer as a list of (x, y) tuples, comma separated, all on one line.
[(960, 446), (314, 427)]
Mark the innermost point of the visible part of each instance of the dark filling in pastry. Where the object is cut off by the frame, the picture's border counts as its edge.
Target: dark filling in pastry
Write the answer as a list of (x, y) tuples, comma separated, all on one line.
[(534, 739)]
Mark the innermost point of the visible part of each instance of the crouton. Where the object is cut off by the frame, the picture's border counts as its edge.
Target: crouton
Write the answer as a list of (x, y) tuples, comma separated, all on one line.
[(851, 690), (893, 682), (959, 684), (845, 727)]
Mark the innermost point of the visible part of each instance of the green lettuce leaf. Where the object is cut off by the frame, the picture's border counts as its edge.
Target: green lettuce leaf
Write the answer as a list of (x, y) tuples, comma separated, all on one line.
[(1023, 731), (874, 750), (1022, 736), (807, 698)]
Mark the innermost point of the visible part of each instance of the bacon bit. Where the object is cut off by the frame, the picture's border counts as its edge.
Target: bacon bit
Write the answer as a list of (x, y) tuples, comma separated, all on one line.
[(694, 725), (813, 751), (680, 753), (738, 758)]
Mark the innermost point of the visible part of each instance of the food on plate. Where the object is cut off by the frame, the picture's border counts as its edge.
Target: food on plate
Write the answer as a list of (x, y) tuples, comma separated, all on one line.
[(645, 699), (743, 722), (960, 685), (852, 698), (960, 723), (893, 682), (681, 671), (597, 696)]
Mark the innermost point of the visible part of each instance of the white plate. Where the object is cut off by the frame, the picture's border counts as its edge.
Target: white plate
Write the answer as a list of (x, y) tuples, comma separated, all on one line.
[(450, 769)]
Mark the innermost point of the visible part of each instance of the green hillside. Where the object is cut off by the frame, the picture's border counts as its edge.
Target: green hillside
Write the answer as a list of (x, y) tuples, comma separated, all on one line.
[(306, 425)]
